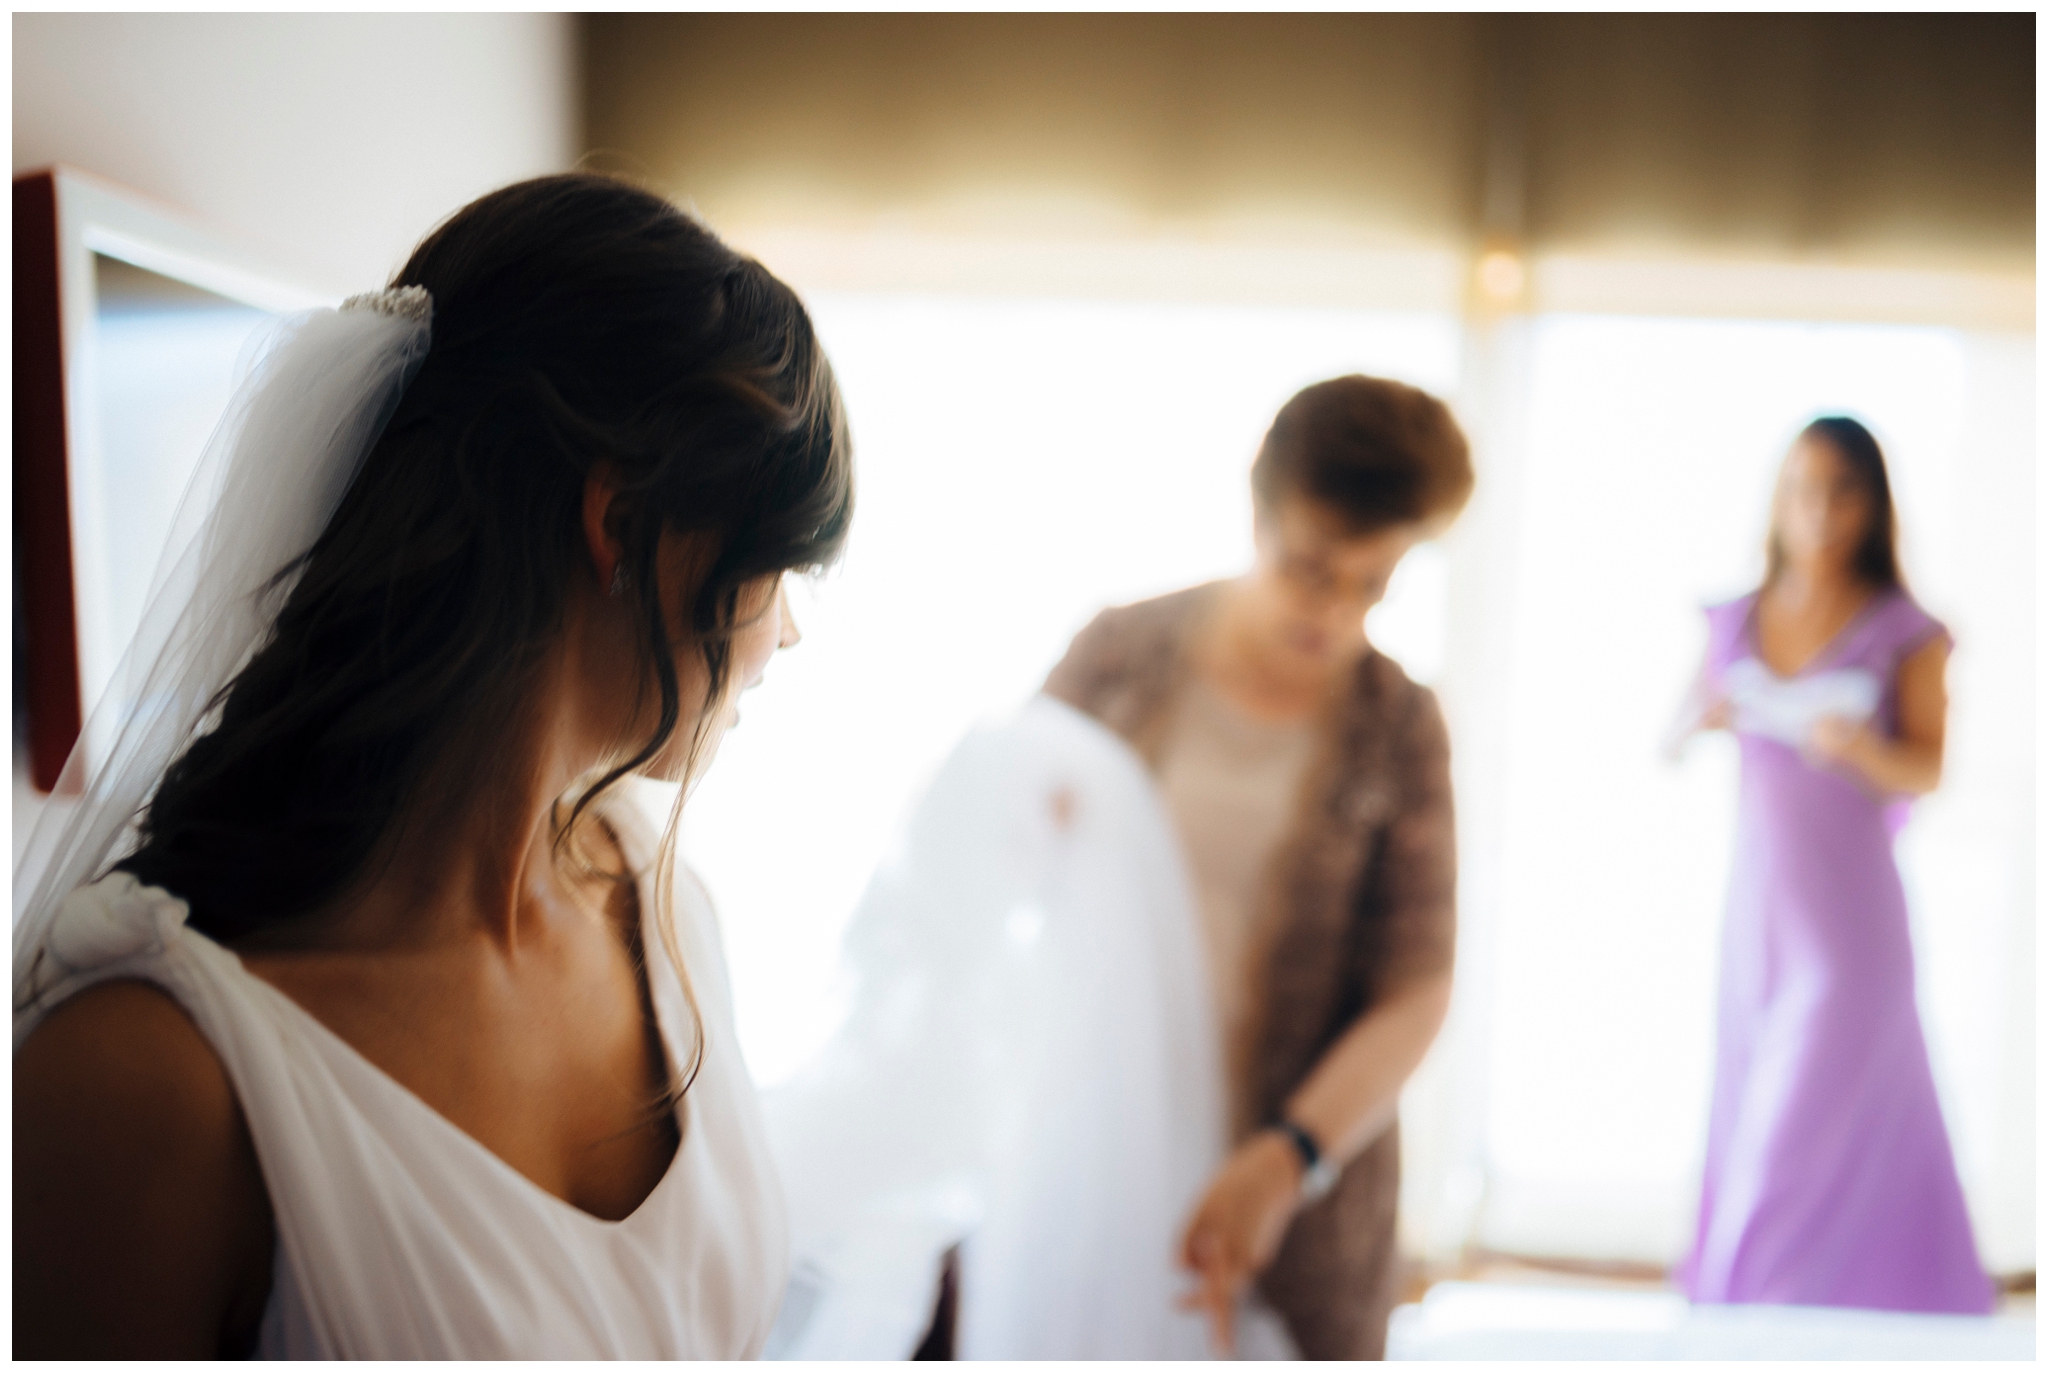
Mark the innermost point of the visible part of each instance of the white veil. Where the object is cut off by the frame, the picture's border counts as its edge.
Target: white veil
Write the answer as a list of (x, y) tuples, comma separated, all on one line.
[(1030, 1065), (316, 391)]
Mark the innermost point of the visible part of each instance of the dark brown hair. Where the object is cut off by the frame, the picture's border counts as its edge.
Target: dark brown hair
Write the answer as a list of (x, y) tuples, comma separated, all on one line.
[(578, 320), (1876, 560), (1376, 452)]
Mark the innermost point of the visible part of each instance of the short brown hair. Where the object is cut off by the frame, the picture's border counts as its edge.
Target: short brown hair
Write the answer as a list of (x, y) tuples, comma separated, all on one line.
[(1376, 452)]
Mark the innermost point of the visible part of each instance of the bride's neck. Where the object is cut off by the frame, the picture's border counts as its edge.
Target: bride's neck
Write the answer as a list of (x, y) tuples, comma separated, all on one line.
[(475, 852)]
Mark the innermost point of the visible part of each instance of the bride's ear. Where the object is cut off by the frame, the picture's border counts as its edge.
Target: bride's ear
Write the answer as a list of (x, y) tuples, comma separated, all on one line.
[(600, 523)]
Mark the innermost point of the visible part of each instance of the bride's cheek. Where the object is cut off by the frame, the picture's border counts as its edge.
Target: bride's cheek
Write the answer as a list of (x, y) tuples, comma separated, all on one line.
[(757, 660), (759, 646)]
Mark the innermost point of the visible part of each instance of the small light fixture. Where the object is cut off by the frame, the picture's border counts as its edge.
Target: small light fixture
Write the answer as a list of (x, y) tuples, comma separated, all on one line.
[(1501, 278)]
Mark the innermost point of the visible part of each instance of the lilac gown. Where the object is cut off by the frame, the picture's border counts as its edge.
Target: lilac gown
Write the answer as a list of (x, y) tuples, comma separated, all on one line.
[(1829, 1180)]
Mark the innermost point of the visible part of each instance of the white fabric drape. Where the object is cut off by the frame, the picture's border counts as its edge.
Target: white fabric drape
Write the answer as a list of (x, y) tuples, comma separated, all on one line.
[(1030, 1064)]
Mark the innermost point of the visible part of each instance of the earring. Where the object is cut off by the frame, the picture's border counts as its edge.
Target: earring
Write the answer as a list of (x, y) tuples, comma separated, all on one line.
[(618, 578)]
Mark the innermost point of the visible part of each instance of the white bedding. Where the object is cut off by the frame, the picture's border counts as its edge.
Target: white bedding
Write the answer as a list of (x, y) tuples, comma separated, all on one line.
[(1479, 1320)]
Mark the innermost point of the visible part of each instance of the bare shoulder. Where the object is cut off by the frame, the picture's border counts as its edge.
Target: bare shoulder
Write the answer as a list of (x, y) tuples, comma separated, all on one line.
[(1928, 659), (126, 1047), (141, 1223), (1922, 680), (1922, 687), (122, 1068)]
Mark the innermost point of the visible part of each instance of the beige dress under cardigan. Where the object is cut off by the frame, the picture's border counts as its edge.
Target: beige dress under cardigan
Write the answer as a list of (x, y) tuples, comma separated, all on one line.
[(1357, 900), (1232, 784)]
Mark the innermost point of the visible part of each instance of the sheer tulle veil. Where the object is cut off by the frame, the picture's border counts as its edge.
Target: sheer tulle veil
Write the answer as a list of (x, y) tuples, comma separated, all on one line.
[(316, 391)]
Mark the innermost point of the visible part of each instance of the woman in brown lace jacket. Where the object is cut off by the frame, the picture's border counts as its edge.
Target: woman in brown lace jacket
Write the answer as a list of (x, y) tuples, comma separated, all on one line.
[(1310, 781)]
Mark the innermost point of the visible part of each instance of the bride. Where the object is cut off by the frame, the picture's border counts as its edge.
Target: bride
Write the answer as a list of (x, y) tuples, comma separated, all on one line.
[(359, 1012)]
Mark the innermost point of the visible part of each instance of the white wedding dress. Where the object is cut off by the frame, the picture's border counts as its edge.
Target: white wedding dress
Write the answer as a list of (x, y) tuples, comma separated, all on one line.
[(401, 1237), (1030, 1068)]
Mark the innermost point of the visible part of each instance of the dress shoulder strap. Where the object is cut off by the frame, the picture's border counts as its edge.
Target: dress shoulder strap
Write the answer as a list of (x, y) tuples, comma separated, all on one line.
[(321, 1155), (117, 928), (1726, 622), (110, 930), (1905, 626)]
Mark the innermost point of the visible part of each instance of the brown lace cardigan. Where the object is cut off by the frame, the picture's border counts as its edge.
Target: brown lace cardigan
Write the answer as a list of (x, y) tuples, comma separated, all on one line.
[(1358, 901)]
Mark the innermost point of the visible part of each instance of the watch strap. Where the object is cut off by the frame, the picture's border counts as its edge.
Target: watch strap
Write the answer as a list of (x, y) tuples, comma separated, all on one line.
[(1318, 1173)]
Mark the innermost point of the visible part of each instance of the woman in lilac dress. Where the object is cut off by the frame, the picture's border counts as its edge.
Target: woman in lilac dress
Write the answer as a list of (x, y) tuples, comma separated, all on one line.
[(1829, 1179)]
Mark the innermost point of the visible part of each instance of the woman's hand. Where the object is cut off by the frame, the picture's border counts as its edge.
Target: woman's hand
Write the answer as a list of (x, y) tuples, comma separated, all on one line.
[(1836, 739), (1905, 764), (1884, 767), (1237, 1228), (1856, 751), (1704, 708)]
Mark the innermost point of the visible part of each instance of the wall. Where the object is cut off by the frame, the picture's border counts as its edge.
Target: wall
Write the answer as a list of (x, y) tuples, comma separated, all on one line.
[(1899, 140), (328, 143)]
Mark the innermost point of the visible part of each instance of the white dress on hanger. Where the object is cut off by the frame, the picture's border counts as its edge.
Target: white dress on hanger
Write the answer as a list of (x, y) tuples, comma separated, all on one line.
[(400, 1236)]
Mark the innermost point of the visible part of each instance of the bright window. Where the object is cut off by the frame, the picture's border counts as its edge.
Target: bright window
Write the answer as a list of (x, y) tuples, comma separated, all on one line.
[(1022, 464)]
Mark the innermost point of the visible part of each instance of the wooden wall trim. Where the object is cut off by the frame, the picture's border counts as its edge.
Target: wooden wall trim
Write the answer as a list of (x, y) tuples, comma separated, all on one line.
[(42, 501)]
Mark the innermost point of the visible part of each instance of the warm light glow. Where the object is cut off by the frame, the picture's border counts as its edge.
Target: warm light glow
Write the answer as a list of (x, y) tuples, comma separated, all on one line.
[(1501, 278)]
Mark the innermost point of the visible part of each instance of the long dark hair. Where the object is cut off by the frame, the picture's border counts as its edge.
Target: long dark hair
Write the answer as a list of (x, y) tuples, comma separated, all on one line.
[(578, 320), (1876, 560)]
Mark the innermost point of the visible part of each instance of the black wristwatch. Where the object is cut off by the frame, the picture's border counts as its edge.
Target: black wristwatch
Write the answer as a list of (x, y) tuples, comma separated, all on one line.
[(1318, 1174)]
